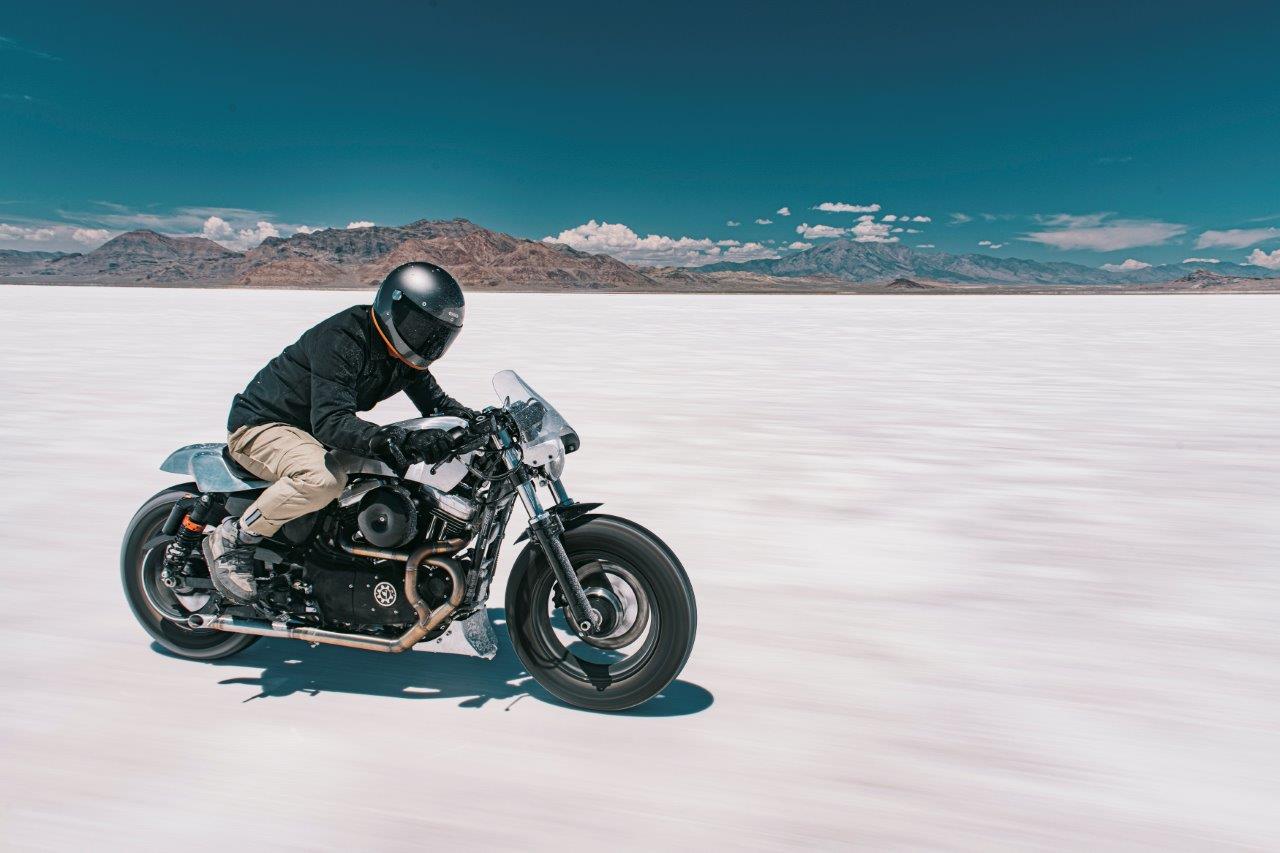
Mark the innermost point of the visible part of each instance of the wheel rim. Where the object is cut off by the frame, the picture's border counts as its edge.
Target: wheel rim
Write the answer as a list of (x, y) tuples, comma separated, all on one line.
[(160, 598), (629, 636)]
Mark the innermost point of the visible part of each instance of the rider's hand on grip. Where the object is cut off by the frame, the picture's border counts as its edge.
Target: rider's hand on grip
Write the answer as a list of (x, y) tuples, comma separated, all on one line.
[(388, 445), (429, 445)]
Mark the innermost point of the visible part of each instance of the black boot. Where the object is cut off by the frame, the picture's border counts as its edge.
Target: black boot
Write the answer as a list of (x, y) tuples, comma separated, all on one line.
[(229, 552)]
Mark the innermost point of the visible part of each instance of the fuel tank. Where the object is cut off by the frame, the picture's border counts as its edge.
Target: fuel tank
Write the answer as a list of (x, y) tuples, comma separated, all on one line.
[(444, 478)]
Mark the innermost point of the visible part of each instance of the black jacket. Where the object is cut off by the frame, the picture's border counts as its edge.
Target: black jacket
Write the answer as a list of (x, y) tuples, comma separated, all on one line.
[(337, 368)]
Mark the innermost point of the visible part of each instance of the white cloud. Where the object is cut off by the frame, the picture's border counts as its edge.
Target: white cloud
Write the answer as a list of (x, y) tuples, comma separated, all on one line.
[(217, 228), (1128, 265), (732, 224), (845, 207), (921, 219), (1068, 220), (248, 236), (764, 221), (1236, 238), (749, 252), (990, 245), (1097, 232), (31, 234), (181, 221), (243, 238), (898, 230), (913, 230), (872, 232), (889, 218), (1259, 258), (925, 246), (236, 228), (960, 219), (800, 246), (52, 236), (359, 223), (1201, 261), (783, 211), (818, 232), (866, 217), (91, 236), (619, 241)]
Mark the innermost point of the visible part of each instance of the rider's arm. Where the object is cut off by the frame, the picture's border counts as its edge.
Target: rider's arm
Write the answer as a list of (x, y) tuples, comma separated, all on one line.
[(334, 370), (429, 397)]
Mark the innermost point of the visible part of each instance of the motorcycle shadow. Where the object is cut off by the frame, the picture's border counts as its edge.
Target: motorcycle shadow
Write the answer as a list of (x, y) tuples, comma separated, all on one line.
[(292, 667)]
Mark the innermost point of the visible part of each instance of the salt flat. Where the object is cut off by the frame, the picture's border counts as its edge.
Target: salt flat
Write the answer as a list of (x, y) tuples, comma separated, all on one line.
[(974, 573)]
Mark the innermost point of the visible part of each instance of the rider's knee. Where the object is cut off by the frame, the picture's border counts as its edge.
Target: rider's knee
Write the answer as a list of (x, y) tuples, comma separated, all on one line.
[(323, 482)]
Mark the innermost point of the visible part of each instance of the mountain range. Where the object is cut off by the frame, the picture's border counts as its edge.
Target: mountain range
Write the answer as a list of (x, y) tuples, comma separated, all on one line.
[(485, 259), (862, 262)]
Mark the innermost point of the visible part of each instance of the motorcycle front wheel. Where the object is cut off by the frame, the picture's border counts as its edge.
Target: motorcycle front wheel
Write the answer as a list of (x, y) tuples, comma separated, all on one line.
[(644, 596)]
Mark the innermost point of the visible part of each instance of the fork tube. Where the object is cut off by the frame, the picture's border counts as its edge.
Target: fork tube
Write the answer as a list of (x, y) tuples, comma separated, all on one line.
[(562, 497), (546, 529), (524, 485)]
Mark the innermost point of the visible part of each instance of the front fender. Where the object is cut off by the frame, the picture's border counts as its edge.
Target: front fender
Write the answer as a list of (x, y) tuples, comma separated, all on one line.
[(571, 516), (528, 553)]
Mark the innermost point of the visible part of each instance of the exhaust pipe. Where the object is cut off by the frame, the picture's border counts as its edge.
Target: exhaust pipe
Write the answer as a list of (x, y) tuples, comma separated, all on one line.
[(428, 620)]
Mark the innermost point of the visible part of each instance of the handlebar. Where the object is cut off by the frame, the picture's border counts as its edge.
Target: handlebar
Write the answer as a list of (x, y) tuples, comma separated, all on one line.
[(464, 440)]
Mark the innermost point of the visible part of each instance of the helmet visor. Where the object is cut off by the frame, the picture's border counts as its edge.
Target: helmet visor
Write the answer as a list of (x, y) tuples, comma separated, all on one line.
[(422, 333)]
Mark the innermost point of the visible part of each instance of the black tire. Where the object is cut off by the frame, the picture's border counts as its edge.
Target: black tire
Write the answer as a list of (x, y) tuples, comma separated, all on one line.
[(599, 686), (136, 569)]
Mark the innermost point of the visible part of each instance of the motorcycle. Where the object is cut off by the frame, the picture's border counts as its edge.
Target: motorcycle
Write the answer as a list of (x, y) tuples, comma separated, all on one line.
[(599, 610)]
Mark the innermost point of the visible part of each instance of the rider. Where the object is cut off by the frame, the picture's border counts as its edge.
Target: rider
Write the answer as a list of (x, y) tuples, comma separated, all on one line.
[(306, 398)]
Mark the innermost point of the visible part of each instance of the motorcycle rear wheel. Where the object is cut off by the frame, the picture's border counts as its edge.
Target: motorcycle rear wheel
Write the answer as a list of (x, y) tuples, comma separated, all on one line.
[(139, 568), (611, 555)]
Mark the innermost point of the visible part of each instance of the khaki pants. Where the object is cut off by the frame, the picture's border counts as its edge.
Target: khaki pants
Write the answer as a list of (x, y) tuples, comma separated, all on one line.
[(304, 478)]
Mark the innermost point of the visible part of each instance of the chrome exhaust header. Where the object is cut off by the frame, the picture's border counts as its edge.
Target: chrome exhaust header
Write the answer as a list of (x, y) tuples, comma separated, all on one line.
[(428, 620)]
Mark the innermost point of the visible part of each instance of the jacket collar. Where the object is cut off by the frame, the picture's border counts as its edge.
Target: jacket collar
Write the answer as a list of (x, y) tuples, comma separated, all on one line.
[(377, 347)]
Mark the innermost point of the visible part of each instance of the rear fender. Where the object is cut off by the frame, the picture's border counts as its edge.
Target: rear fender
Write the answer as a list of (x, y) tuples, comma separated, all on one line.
[(208, 465)]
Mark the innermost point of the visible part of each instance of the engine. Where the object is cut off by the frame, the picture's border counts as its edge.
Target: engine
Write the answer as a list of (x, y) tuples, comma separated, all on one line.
[(363, 593)]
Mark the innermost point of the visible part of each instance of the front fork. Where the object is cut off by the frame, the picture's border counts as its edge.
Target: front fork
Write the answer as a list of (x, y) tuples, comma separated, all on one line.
[(547, 528)]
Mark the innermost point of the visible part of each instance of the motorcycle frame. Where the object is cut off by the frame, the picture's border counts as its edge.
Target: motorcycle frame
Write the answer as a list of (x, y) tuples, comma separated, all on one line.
[(546, 525)]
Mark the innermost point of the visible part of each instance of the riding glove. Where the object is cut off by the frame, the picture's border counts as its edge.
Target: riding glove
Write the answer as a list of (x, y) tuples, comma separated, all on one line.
[(429, 445), (389, 445), (458, 410)]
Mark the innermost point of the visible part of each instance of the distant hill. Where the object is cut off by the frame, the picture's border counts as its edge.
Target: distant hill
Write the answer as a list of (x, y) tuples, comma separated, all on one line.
[(475, 255), (13, 261), (148, 256), (867, 262)]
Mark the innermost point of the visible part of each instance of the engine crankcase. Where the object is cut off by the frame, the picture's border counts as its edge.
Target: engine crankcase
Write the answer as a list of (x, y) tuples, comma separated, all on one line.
[(370, 594)]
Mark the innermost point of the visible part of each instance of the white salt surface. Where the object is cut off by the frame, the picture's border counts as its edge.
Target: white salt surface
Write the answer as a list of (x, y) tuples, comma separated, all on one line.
[(974, 573)]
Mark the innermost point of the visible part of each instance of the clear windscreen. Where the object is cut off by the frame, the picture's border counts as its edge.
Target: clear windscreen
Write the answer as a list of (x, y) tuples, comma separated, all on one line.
[(537, 420)]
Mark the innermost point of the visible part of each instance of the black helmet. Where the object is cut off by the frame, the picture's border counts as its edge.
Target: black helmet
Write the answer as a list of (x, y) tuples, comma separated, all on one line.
[(418, 310)]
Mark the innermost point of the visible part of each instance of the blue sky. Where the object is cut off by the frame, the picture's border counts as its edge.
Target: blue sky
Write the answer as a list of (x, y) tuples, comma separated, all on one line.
[(1090, 132)]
